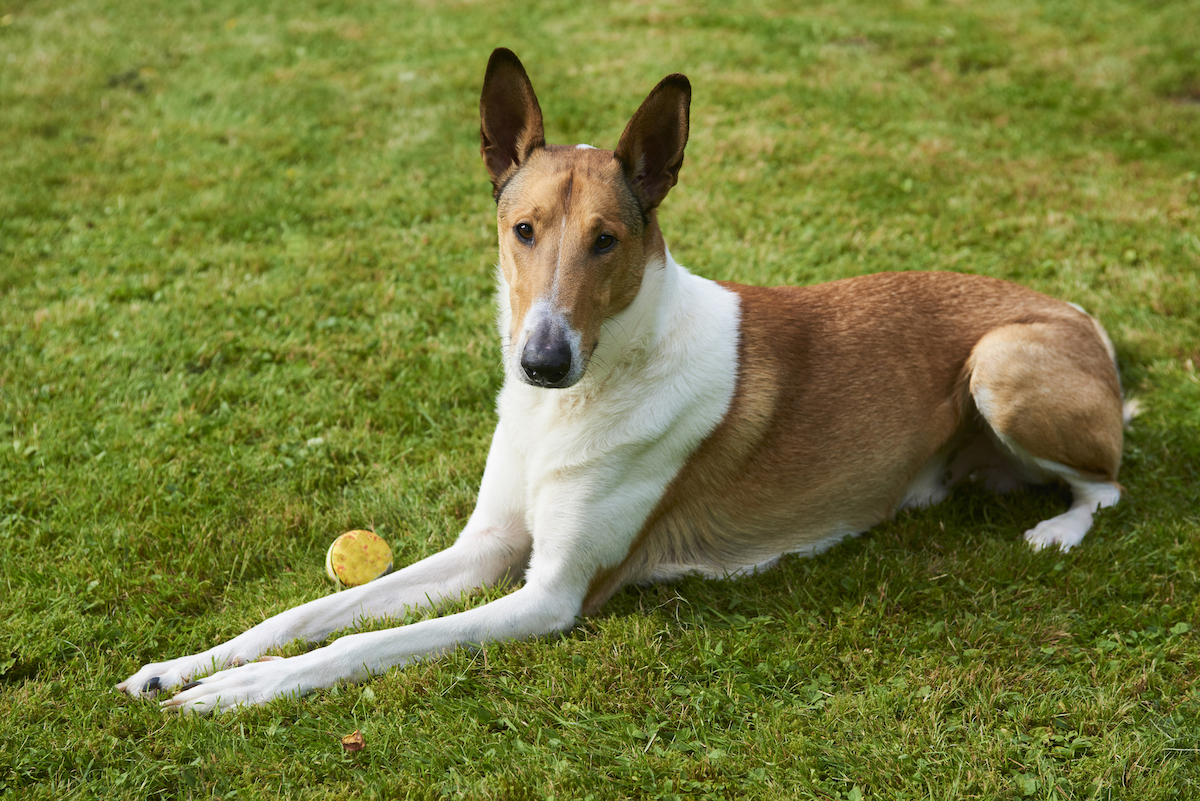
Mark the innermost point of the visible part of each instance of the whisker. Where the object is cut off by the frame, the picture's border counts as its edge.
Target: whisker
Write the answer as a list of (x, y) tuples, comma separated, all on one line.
[(613, 319)]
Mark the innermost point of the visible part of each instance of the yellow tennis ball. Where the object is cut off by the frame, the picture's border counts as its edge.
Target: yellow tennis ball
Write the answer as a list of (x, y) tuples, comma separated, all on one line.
[(357, 557)]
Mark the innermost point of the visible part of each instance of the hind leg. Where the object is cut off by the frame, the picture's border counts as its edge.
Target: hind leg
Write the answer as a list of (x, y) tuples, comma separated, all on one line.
[(1067, 530), (1050, 394)]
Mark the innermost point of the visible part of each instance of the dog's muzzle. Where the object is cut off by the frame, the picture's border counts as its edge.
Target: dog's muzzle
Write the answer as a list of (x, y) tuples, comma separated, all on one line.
[(546, 358)]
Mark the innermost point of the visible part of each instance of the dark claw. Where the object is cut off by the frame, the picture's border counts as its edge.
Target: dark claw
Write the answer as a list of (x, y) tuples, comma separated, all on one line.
[(189, 685), (151, 686)]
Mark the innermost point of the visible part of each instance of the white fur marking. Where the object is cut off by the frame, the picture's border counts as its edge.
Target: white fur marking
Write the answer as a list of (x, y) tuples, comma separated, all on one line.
[(928, 487), (562, 234), (1068, 529)]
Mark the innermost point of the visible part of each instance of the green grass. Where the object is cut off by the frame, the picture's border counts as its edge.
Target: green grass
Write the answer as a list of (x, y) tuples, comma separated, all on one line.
[(245, 281)]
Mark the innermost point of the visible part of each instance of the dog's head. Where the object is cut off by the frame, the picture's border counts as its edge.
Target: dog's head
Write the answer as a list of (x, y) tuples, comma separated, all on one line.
[(576, 224)]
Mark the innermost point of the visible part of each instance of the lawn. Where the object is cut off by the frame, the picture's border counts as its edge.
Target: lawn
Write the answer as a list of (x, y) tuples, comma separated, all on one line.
[(246, 256)]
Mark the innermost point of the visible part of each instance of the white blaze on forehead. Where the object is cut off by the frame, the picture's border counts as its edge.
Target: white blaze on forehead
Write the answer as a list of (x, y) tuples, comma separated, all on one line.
[(584, 147)]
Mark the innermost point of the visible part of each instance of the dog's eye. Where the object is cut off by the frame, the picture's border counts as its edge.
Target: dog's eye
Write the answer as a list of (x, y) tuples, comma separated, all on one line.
[(605, 242), (524, 232)]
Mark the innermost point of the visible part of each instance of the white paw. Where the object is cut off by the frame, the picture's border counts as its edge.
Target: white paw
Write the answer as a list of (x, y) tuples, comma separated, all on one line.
[(1066, 531), (158, 677), (254, 683)]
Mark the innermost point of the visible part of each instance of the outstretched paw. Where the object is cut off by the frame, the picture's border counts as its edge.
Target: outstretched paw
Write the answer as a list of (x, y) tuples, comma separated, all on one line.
[(248, 685), (158, 677)]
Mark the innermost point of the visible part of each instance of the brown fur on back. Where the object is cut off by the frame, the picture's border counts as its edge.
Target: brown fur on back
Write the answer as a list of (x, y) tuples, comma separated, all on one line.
[(844, 391)]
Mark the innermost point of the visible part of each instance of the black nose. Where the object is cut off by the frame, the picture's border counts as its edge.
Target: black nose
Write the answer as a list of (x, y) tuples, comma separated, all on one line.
[(546, 359)]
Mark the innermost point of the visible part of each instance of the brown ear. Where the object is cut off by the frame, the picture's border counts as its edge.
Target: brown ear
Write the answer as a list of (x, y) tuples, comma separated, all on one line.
[(651, 149), (510, 120)]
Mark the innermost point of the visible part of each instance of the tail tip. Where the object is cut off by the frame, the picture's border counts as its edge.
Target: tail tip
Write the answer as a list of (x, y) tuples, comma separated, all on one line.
[(1131, 409)]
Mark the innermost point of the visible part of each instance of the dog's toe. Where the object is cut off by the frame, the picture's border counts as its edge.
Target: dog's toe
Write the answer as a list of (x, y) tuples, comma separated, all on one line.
[(1064, 532)]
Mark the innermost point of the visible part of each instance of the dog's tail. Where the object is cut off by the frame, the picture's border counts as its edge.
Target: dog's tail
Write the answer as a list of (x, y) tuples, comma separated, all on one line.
[(1131, 409)]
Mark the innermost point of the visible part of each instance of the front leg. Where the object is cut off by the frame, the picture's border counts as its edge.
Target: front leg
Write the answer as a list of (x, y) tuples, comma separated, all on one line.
[(478, 559), (581, 527), (493, 548), (532, 610)]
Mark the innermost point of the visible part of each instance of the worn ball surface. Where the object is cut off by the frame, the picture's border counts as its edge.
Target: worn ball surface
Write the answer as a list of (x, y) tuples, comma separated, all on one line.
[(357, 557)]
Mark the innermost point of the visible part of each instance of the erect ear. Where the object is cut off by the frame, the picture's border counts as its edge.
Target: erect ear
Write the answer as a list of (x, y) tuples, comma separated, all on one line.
[(651, 149), (510, 120)]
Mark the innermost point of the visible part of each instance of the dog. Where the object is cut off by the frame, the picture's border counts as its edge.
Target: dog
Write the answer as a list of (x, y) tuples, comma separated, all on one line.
[(654, 424)]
